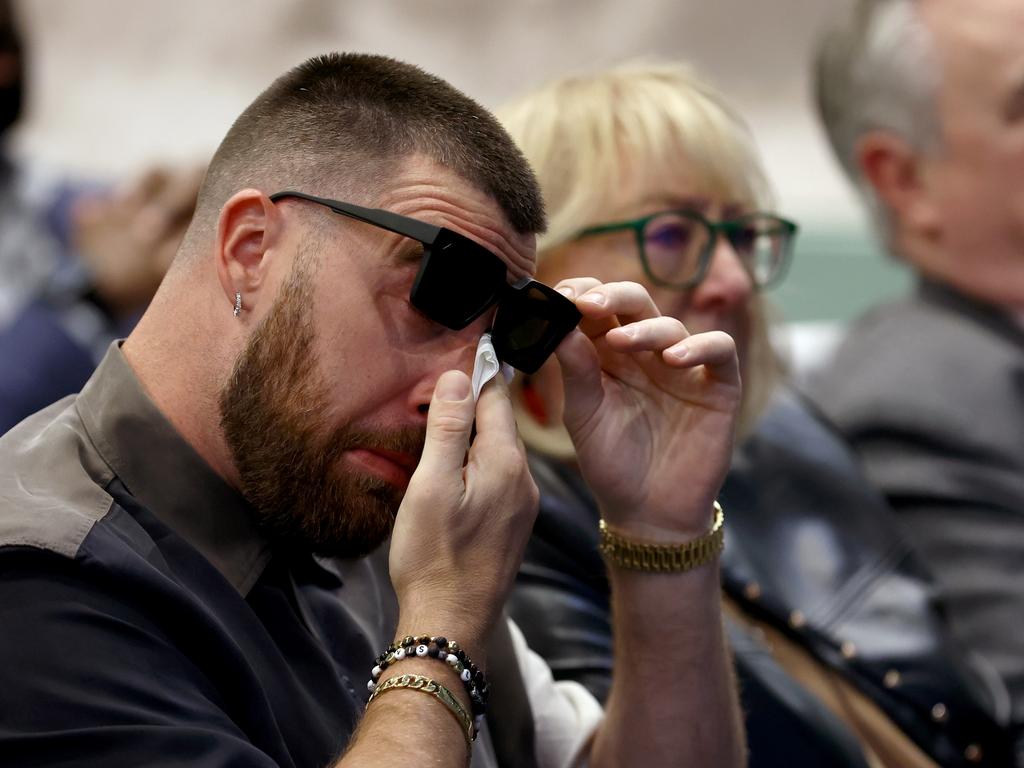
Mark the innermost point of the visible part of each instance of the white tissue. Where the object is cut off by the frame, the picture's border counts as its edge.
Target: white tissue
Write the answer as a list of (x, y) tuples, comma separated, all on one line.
[(487, 365)]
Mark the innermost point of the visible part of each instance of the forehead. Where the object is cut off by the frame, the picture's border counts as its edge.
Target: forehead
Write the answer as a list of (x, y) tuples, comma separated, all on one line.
[(677, 181), (426, 190), (978, 40)]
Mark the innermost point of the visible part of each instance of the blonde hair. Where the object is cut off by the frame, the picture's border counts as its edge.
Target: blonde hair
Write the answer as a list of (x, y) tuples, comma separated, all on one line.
[(594, 140)]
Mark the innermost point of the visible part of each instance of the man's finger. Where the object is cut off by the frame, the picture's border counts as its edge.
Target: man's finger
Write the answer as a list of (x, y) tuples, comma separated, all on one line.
[(449, 422), (495, 420)]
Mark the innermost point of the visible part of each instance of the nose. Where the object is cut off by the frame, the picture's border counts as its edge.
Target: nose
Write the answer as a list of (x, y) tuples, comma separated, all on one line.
[(457, 351), (727, 285)]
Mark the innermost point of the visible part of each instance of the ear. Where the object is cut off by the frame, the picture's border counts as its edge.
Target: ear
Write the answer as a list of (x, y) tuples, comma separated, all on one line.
[(248, 227), (896, 171)]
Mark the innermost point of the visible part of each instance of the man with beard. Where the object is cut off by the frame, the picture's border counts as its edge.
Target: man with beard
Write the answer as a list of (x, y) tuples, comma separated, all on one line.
[(191, 569)]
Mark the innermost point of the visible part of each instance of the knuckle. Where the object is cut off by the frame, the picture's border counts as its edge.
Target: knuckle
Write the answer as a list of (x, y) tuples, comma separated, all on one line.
[(446, 423), (632, 287), (532, 495), (675, 324)]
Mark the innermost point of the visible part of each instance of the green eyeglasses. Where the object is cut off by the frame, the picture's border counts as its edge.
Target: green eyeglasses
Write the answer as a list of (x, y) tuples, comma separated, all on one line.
[(676, 247)]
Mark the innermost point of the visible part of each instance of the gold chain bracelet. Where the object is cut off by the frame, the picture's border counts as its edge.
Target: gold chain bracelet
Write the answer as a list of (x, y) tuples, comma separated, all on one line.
[(663, 558), (435, 689)]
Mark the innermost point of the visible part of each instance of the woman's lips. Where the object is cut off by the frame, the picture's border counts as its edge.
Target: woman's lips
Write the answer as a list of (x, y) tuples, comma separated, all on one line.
[(392, 467)]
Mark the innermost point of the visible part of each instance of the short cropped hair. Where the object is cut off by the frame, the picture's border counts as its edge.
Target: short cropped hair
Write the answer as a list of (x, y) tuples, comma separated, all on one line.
[(343, 122), (876, 69), (589, 137)]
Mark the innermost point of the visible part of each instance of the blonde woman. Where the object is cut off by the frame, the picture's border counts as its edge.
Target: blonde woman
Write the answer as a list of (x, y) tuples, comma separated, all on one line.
[(649, 176)]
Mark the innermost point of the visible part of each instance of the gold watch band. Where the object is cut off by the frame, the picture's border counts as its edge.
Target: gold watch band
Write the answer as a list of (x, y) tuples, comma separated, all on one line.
[(663, 558)]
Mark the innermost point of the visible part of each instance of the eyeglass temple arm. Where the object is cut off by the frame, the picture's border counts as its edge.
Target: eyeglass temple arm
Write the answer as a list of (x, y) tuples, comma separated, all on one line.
[(393, 222)]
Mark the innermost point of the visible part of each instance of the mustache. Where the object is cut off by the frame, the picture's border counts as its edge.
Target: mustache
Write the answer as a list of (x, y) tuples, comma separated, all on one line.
[(408, 440)]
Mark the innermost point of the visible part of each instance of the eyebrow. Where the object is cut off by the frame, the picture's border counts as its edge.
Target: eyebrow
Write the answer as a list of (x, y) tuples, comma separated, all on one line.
[(686, 203)]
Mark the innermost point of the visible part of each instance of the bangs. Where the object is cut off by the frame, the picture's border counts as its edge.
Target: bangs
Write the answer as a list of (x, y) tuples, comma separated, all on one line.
[(684, 141), (603, 143)]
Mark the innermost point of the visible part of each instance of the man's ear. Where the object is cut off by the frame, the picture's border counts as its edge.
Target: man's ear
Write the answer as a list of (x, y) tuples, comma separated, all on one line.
[(896, 172), (249, 225)]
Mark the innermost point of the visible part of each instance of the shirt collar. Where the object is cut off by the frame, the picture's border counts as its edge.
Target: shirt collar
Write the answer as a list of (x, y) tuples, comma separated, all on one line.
[(167, 476)]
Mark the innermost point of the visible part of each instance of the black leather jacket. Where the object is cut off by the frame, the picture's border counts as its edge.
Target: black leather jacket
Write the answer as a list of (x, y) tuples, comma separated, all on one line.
[(811, 550)]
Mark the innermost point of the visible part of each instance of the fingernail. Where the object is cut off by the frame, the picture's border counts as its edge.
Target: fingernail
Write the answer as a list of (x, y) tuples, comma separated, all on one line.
[(679, 353), (566, 291), (628, 330), (453, 387), (595, 298)]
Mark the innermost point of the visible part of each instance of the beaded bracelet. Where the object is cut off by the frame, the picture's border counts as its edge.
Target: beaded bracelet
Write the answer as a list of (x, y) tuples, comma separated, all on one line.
[(439, 692), (442, 649)]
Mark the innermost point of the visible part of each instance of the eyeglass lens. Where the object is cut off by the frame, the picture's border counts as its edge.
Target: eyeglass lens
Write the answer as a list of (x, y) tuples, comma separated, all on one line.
[(761, 242), (531, 321), (675, 245), (457, 282)]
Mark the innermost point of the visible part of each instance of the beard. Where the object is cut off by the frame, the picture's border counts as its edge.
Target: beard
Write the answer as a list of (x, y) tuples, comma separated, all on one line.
[(290, 466)]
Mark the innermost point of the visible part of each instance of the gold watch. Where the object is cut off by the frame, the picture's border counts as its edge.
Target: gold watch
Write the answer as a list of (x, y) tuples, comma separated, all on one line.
[(663, 558)]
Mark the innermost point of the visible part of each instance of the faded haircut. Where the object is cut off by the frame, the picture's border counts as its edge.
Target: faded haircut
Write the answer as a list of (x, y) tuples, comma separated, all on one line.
[(341, 124)]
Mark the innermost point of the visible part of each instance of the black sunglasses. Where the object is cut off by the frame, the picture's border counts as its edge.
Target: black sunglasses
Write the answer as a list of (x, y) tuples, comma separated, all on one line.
[(459, 280)]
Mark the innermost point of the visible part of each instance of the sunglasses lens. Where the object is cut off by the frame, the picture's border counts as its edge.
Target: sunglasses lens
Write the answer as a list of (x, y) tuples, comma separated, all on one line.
[(532, 320), (458, 280)]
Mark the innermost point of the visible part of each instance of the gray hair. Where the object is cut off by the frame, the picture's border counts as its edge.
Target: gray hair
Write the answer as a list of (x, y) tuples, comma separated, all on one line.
[(877, 70)]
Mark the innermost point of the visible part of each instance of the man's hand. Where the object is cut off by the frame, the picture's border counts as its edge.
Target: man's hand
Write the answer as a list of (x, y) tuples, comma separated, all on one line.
[(651, 410), (463, 525)]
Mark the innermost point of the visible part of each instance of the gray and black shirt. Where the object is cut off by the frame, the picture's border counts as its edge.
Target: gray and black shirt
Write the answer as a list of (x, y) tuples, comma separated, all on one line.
[(145, 621)]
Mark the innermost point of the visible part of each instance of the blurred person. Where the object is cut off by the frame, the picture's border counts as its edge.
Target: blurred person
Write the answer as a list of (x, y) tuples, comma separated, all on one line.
[(924, 105), (77, 264), (191, 568), (650, 177), (119, 244), (28, 247)]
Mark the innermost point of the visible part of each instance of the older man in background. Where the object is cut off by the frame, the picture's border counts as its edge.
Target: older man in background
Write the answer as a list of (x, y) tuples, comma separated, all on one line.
[(924, 106)]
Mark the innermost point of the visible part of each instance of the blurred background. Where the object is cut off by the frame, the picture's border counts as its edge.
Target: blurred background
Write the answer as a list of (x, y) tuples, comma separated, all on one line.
[(117, 85)]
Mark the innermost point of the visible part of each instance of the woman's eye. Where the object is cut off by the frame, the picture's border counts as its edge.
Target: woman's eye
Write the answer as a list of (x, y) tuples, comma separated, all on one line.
[(674, 236)]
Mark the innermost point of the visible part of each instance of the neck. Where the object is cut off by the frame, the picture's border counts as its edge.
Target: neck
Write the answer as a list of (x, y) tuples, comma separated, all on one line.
[(182, 364)]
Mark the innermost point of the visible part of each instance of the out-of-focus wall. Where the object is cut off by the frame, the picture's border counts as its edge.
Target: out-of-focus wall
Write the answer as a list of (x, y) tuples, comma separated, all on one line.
[(117, 84)]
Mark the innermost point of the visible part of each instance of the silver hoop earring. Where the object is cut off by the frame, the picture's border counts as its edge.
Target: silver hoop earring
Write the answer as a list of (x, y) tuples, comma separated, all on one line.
[(238, 303)]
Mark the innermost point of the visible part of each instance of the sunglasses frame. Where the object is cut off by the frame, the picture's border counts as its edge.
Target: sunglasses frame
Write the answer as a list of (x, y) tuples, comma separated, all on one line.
[(562, 314)]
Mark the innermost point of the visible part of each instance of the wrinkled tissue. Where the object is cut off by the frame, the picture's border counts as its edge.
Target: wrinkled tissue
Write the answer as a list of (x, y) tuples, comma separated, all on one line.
[(487, 365)]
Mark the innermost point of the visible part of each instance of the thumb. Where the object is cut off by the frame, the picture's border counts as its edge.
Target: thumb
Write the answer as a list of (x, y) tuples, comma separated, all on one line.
[(581, 380), (449, 422)]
